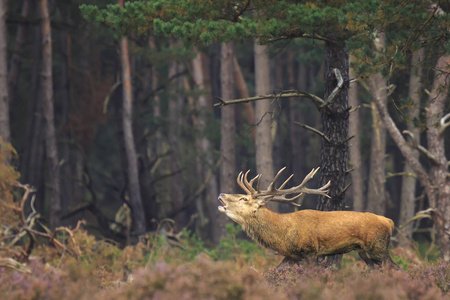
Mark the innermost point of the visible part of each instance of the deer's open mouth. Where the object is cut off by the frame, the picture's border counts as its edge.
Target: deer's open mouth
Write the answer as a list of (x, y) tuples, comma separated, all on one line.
[(223, 207)]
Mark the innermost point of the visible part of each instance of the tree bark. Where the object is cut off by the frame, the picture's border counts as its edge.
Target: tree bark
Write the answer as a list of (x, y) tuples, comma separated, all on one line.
[(334, 153), (139, 225), (227, 130), (376, 198), (408, 194), (49, 120), (263, 138), (4, 102), (355, 147)]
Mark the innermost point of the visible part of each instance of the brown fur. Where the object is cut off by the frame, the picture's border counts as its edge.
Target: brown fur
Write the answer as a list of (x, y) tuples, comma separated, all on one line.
[(312, 233)]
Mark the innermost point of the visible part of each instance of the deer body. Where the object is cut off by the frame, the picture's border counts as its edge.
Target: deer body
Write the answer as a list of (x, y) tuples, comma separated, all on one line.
[(307, 233)]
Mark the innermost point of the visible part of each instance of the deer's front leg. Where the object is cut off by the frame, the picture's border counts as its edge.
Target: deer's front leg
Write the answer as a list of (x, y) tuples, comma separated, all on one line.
[(289, 262)]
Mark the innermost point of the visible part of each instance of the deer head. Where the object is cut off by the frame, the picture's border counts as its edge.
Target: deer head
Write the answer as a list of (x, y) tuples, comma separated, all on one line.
[(239, 207)]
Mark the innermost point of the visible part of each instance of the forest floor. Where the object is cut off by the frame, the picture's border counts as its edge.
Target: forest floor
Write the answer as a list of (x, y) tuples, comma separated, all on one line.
[(236, 269)]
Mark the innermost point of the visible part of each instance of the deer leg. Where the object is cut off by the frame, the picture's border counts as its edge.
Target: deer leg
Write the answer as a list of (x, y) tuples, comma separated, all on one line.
[(366, 259), (288, 262)]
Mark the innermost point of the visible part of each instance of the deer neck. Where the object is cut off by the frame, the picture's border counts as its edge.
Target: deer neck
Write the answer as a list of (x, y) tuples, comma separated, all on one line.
[(265, 227)]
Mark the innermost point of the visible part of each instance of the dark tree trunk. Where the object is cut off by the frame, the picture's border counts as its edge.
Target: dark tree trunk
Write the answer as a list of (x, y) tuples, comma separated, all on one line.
[(32, 162), (334, 153), (49, 120), (16, 60)]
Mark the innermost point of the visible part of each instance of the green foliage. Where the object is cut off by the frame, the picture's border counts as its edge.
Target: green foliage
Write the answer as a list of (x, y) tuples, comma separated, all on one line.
[(401, 262), (231, 247)]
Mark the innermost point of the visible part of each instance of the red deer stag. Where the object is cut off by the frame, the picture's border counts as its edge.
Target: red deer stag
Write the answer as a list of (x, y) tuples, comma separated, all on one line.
[(306, 233)]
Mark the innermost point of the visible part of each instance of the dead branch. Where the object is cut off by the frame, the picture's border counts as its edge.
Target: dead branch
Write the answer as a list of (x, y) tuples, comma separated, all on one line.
[(316, 131), (26, 228), (389, 175), (422, 149), (444, 123), (284, 94), (7, 262), (340, 84), (423, 214)]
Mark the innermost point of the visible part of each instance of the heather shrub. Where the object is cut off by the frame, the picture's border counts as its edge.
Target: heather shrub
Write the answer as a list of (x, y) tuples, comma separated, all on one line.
[(201, 278), (314, 282), (46, 282)]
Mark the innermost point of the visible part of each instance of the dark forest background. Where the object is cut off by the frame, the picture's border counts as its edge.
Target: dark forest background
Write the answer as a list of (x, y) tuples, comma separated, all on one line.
[(177, 132)]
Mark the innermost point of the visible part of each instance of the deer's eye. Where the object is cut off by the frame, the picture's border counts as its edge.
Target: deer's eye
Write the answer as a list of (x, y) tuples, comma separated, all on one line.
[(243, 199)]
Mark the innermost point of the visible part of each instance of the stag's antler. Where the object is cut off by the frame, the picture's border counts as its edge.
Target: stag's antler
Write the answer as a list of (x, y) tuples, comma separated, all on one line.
[(278, 194)]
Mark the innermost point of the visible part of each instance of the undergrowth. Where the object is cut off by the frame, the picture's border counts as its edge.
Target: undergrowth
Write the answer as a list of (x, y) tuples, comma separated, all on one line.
[(235, 269)]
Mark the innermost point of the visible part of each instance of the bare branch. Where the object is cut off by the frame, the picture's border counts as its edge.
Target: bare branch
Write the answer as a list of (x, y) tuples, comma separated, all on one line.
[(445, 122), (284, 94), (313, 130), (422, 149), (390, 175), (340, 83)]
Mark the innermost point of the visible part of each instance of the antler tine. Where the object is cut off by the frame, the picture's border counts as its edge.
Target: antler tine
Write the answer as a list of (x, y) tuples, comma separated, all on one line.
[(259, 181), (281, 195), (248, 184), (309, 176), (240, 182), (272, 185), (286, 181), (253, 180)]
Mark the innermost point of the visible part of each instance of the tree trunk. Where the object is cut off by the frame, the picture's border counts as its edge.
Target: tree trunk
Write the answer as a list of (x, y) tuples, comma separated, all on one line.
[(4, 102), (139, 225), (68, 181), (408, 194), (203, 108), (376, 198), (16, 60), (33, 157), (243, 90), (334, 153), (263, 140), (355, 147), (175, 123), (49, 121), (227, 130), (299, 142), (436, 146)]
